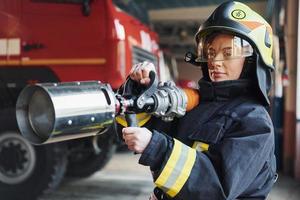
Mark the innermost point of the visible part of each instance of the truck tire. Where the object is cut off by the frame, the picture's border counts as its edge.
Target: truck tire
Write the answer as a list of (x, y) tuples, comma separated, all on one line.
[(27, 171), (85, 161)]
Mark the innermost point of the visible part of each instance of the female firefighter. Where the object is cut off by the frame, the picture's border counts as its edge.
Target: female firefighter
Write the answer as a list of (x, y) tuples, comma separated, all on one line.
[(224, 147)]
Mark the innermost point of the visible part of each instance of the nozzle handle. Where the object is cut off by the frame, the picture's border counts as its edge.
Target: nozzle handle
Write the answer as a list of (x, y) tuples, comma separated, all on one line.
[(131, 119)]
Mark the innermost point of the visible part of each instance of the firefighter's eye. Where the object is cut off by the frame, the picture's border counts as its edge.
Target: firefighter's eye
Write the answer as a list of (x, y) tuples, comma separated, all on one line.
[(211, 54), (227, 52)]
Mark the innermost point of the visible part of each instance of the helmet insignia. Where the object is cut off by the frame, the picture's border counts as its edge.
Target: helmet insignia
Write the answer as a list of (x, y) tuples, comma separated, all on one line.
[(238, 14)]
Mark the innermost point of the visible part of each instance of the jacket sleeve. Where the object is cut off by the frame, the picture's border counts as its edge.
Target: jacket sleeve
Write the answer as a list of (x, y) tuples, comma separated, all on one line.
[(224, 171)]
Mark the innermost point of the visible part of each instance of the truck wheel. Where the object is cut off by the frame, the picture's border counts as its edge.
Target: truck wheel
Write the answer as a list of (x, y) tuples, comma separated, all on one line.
[(27, 171), (85, 160)]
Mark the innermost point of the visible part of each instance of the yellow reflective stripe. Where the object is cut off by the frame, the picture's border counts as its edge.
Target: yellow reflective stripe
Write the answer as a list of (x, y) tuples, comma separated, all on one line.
[(142, 119), (177, 170), (188, 166), (195, 145), (171, 164), (200, 146), (204, 146)]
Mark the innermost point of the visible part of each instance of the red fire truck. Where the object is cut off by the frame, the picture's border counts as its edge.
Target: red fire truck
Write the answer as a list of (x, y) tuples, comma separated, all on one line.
[(52, 41)]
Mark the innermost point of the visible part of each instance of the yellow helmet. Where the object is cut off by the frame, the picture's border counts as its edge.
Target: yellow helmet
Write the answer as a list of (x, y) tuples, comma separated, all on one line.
[(238, 18)]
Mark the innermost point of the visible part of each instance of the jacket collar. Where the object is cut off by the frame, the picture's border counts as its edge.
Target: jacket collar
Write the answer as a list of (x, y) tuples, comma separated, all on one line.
[(224, 90)]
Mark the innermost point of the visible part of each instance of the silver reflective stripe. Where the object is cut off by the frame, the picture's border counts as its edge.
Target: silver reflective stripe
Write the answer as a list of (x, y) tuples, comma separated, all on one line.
[(178, 169)]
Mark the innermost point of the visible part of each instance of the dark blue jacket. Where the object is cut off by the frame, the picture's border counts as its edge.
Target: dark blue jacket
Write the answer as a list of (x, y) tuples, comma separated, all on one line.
[(222, 149)]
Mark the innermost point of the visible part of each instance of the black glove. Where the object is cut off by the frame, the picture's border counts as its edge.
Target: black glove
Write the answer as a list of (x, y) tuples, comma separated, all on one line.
[(131, 88)]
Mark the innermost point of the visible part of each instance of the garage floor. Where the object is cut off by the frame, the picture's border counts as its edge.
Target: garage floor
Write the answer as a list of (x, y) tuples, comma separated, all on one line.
[(124, 179), (285, 189)]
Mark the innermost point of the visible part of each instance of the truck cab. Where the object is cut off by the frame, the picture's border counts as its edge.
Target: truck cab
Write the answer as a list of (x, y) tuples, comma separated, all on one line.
[(59, 41)]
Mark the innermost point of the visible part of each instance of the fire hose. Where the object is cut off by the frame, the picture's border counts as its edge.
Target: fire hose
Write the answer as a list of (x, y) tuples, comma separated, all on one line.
[(53, 112)]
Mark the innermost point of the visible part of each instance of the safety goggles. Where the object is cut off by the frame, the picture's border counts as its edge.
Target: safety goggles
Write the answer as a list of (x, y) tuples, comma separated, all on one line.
[(232, 47)]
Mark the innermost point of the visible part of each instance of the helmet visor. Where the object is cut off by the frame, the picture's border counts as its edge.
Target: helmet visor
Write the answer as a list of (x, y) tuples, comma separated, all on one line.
[(220, 47)]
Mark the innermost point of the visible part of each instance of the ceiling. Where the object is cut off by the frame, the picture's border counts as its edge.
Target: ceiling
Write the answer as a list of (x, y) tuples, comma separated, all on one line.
[(176, 21)]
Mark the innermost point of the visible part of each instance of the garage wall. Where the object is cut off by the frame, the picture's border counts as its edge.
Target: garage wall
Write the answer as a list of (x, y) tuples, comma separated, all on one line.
[(187, 71)]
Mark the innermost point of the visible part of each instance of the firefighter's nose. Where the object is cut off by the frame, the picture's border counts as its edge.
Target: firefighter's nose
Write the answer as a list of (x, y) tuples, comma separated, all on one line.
[(214, 64)]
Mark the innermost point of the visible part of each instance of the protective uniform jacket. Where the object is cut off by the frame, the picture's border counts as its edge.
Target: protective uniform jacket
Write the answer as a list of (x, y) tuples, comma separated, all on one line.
[(222, 149)]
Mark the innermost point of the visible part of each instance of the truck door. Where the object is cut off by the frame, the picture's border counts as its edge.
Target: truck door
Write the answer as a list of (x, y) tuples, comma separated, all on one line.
[(10, 43), (63, 31)]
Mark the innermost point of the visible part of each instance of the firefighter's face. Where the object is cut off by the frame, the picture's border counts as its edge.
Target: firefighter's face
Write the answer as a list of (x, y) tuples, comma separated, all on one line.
[(222, 64)]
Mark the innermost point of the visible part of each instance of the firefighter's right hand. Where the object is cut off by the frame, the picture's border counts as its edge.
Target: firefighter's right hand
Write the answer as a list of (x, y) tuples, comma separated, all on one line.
[(136, 138), (140, 72)]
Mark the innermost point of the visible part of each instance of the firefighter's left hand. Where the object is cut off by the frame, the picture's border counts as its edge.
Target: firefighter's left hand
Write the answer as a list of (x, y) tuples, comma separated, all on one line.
[(136, 138)]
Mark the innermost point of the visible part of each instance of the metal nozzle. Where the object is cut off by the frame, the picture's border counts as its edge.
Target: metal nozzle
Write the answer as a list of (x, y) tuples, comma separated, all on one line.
[(54, 112)]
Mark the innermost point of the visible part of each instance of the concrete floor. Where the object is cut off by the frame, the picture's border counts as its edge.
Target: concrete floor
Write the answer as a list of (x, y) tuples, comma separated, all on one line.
[(285, 189), (124, 179)]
